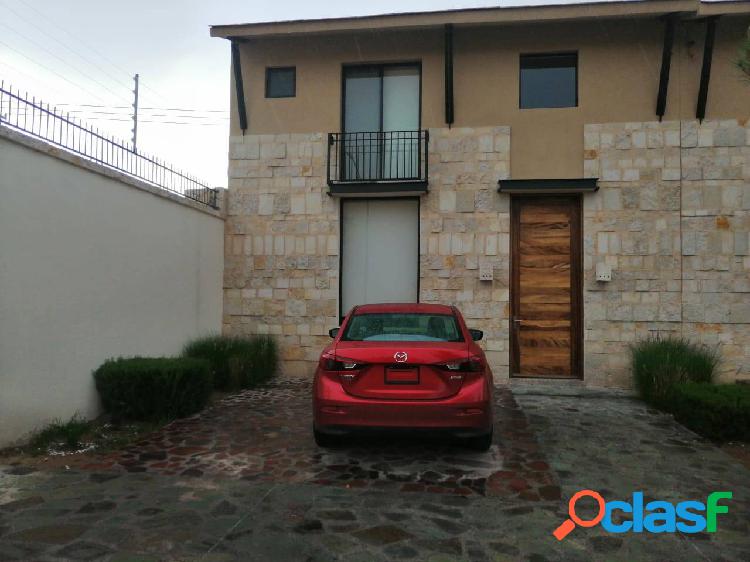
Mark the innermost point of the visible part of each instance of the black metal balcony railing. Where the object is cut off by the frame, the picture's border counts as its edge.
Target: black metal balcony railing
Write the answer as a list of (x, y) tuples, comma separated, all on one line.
[(40, 120), (378, 157)]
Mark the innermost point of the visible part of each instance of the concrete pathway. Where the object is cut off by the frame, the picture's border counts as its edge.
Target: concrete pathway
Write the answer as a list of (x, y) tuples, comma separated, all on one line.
[(101, 510)]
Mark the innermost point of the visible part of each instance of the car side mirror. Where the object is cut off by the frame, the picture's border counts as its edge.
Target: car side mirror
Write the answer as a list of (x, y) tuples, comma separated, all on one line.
[(333, 332), (476, 335)]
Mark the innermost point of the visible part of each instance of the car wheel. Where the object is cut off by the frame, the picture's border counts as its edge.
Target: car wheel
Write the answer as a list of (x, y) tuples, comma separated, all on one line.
[(325, 439), (480, 442)]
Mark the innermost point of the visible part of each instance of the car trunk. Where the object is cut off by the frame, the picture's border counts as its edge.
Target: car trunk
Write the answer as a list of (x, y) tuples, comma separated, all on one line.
[(419, 377)]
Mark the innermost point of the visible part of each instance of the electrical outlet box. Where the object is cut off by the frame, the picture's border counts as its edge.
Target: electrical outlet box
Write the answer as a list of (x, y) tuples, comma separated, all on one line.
[(485, 272), (603, 272)]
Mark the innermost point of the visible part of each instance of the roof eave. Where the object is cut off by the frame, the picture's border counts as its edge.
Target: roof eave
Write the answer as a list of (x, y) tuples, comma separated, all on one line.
[(477, 16)]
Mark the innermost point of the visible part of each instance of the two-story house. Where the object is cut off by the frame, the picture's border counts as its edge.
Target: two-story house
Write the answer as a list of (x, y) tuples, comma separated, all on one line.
[(572, 177)]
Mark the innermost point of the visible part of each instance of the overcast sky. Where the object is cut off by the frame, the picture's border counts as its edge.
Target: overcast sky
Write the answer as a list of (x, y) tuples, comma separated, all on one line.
[(82, 54)]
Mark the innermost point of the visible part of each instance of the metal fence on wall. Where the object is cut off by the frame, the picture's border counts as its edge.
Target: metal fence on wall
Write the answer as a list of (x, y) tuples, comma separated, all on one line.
[(40, 120)]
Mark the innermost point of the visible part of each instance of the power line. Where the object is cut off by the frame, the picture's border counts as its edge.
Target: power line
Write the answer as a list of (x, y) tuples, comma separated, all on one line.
[(150, 114), (75, 52), (58, 57), (183, 123), (172, 116), (35, 26), (156, 121), (33, 78), (158, 108), (52, 71), (198, 118), (85, 45)]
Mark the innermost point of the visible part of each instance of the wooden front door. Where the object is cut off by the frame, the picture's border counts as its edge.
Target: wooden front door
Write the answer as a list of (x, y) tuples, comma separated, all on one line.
[(545, 287)]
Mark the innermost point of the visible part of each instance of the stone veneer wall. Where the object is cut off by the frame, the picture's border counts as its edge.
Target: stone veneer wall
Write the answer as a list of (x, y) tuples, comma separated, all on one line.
[(465, 223), (282, 245), (672, 218), (282, 238)]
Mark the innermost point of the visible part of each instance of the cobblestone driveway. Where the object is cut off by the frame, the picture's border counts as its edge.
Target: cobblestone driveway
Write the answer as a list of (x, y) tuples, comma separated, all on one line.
[(129, 507), (266, 436)]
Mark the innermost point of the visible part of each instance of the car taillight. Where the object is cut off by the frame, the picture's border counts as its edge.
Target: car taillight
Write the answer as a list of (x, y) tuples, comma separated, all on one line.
[(329, 362), (472, 365)]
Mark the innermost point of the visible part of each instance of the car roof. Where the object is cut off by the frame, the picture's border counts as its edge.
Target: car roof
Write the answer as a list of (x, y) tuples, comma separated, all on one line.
[(418, 308)]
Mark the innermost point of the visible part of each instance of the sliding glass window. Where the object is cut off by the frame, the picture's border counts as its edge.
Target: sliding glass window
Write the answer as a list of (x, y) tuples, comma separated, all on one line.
[(381, 122)]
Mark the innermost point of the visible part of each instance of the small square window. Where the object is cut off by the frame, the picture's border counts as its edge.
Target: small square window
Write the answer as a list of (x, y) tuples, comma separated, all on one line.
[(281, 82), (549, 80)]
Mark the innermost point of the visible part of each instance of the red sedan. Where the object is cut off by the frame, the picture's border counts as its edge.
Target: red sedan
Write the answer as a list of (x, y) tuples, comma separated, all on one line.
[(403, 366)]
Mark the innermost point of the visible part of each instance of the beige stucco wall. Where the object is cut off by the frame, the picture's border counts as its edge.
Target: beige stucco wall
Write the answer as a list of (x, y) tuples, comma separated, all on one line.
[(619, 66), (91, 268)]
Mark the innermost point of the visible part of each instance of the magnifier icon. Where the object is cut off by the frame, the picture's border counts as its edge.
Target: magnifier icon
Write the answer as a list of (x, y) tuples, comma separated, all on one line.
[(569, 524)]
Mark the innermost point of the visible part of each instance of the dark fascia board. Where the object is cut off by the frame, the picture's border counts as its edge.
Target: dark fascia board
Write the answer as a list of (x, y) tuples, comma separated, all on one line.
[(548, 186), (239, 86), (708, 51), (383, 189), (465, 16), (448, 73), (670, 23)]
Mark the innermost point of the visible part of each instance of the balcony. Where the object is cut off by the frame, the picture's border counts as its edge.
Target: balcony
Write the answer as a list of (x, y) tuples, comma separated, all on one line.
[(378, 163)]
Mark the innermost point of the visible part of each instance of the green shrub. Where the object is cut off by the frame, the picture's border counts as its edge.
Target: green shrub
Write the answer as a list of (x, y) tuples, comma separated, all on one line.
[(236, 362), (720, 412), (267, 359), (153, 389), (660, 363), (61, 435), (218, 351)]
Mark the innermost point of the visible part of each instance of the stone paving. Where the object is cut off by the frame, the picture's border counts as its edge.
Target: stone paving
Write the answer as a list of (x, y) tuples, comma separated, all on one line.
[(607, 442), (265, 436)]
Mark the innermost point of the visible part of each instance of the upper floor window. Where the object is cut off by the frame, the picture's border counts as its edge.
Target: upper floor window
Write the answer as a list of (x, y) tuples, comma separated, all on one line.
[(281, 82), (549, 80), (382, 97), (381, 120)]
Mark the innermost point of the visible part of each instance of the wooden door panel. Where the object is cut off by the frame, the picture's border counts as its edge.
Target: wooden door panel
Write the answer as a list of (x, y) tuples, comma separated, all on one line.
[(554, 310), (546, 238)]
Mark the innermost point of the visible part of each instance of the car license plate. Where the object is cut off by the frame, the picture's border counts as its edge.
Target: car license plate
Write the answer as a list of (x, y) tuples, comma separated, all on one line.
[(403, 375)]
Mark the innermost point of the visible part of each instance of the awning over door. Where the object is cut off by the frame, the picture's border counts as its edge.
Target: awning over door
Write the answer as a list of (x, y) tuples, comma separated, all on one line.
[(548, 186)]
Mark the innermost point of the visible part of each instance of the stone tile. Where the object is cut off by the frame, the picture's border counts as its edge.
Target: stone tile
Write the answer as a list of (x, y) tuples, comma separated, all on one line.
[(599, 440), (51, 534)]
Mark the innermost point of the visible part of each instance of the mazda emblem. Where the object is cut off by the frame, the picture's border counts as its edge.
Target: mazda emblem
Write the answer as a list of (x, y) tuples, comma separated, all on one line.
[(400, 356)]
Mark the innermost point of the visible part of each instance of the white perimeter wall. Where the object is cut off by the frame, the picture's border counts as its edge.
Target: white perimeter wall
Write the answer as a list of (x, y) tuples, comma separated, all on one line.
[(91, 267)]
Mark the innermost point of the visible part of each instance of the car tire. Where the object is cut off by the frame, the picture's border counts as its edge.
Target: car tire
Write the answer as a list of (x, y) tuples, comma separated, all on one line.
[(325, 440), (480, 442)]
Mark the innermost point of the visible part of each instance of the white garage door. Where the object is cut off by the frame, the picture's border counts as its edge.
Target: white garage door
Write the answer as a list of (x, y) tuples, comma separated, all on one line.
[(380, 251)]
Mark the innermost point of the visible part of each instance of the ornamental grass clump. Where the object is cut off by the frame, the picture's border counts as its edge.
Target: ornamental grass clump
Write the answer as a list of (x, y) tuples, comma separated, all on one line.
[(236, 362), (661, 363)]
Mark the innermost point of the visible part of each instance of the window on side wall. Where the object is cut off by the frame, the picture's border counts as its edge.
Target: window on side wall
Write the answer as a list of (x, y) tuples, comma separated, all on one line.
[(549, 80), (281, 82)]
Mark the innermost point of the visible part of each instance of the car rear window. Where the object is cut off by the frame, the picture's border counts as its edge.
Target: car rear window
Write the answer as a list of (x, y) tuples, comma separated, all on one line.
[(401, 326)]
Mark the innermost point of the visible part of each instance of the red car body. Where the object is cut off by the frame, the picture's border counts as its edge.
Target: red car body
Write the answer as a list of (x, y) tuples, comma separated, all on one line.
[(366, 383)]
